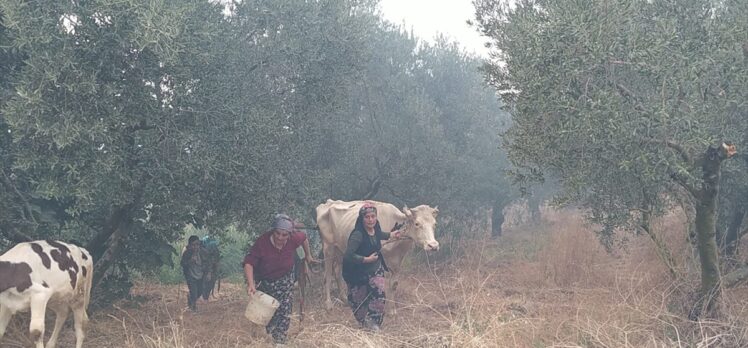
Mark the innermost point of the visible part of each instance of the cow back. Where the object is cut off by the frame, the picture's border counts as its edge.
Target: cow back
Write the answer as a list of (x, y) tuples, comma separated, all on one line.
[(64, 269), (336, 219)]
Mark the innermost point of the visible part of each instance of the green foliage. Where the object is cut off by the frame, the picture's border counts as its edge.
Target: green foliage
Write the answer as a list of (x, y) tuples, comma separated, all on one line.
[(618, 98), (122, 122)]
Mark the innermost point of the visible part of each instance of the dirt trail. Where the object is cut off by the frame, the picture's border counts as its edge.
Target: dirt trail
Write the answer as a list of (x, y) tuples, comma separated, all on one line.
[(157, 317)]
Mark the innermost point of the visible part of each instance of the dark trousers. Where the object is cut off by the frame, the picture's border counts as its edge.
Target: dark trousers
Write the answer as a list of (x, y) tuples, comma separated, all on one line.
[(196, 288)]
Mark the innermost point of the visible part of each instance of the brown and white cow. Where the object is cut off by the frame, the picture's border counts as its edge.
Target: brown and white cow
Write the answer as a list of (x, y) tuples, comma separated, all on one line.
[(40, 274), (336, 219)]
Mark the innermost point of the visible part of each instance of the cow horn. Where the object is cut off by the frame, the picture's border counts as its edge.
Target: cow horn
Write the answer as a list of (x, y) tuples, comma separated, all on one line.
[(407, 211), (435, 211)]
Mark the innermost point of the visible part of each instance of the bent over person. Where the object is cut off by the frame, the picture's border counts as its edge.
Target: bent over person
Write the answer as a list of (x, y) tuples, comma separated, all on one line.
[(363, 268), (269, 267)]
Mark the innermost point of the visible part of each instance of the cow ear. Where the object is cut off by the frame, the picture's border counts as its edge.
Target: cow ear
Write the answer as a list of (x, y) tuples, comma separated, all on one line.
[(407, 211), (435, 211)]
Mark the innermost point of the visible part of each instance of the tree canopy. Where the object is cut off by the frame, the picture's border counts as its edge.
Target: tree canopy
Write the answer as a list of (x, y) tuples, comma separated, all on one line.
[(633, 105)]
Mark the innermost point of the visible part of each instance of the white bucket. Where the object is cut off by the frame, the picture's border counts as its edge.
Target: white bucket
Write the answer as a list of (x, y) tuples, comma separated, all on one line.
[(261, 308)]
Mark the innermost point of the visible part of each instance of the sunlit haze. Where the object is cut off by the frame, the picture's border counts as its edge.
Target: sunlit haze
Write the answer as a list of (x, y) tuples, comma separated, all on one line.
[(427, 18)]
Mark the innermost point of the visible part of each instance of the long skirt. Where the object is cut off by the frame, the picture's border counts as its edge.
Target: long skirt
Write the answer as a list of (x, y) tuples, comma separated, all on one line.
[(367, 300), (282, 290)]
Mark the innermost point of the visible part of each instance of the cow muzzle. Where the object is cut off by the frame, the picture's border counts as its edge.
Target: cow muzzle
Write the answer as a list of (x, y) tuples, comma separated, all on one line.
[(431, 246)]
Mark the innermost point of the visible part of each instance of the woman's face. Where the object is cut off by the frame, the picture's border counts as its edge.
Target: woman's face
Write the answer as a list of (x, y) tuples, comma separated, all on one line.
[(280, 236), (195, 245), (370, 219)]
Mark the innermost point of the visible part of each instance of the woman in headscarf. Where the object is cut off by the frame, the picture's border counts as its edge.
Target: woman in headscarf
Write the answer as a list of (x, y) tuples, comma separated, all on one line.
[(364, 267), (269, 263)]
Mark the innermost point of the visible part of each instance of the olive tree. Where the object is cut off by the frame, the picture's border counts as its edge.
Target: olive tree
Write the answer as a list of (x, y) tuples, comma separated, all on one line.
[(633, 105)]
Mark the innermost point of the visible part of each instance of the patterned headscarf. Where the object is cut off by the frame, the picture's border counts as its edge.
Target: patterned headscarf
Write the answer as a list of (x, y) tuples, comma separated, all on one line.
[(282, 222), (367, 208)]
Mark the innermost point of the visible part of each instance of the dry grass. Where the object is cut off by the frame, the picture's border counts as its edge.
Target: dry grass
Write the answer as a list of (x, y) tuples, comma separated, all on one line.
[(547, 285)]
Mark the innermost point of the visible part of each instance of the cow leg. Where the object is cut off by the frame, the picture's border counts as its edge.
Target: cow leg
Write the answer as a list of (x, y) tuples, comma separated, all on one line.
[(329, 265), (342, 287), (5, 315), (392, 288), (36, 327), (81, 320), (61, 314)]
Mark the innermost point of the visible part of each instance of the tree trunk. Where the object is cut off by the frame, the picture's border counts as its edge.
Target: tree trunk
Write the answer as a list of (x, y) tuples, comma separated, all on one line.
[(497, 218), (706, 208), (116, 231), (729, 241), (97, 245), (708, 257), (110, 254), (533, 207)]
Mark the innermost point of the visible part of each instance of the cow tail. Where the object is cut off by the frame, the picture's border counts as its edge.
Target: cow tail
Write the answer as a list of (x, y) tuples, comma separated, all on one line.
[(87, 285), (87, 296)]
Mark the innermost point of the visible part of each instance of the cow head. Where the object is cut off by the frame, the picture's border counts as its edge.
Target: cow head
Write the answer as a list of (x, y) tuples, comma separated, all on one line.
[(420, 226)]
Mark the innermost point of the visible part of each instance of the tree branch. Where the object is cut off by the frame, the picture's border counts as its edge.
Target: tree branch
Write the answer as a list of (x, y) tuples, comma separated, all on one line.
[(679, 149), (662, 250), (374, 186), (680, 180), (15, 236), (26, 212), (395, 194), (684, 155), (735, 277), (742, 233), (376, 183)]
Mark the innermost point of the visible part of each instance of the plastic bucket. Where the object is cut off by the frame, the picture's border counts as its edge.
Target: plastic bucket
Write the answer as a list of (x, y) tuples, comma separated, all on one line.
[(261, 308)]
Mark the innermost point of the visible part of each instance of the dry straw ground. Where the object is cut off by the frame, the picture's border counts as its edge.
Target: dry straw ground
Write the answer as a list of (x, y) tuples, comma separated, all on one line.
[(545, 285)]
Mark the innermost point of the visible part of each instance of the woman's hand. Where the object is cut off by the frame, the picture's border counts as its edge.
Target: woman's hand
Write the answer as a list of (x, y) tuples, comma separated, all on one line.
[(251, 289), (371, 258), (396, 234)]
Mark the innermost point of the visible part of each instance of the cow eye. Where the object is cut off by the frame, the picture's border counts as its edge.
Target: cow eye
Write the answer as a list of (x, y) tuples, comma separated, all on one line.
[(418, 224)]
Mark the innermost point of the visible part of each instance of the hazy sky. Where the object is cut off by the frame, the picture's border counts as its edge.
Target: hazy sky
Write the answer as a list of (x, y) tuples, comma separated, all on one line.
[(429, 17)]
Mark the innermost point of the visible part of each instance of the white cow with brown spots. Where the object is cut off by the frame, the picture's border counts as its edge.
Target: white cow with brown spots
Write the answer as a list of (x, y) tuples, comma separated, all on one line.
[(336, 220), (40, 274)]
